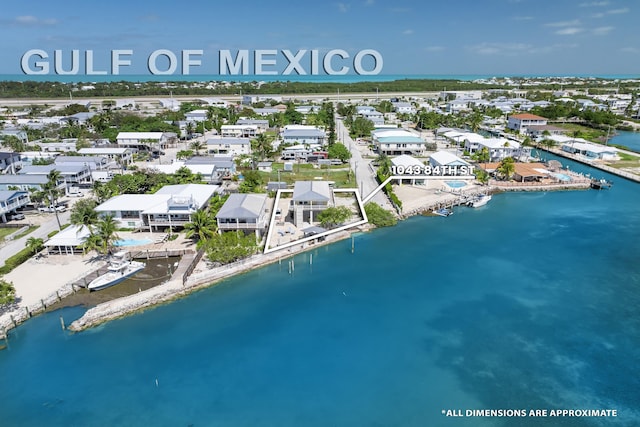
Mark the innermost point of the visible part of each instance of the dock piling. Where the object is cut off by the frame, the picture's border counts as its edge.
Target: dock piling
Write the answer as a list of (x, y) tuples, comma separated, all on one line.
[(62, 323)]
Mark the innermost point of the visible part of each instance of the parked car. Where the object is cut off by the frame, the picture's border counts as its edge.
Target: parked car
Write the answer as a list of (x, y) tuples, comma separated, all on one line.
[(16, 216), (58, 208)]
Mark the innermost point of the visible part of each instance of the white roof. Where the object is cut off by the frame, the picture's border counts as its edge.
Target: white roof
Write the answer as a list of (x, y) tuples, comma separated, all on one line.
[(499, 143), (594, 148), (74, 235), (103, 150), (406, 161), (204, 169), (139, 135), (392, 132), (473, 137), (446, 158)]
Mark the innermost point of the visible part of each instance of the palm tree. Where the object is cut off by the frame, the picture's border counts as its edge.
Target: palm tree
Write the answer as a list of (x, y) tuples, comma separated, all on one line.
[(105, 229), (507, 167), (83, 213), (202, 226), (34, 244), (51, 188), (384, 164), (262, 146), (197, 146)]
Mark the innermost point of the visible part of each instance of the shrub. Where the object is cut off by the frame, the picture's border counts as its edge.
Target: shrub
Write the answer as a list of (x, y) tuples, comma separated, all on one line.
[(379, 216)]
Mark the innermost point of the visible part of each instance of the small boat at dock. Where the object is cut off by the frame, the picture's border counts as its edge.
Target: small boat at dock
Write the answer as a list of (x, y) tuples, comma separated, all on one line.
[(119, 269), (601, 184), (479, 201), (443, 212)]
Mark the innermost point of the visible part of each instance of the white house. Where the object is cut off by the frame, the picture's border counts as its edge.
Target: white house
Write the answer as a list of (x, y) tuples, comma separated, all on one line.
[(146, 140), (307, 135), (124, 155), (520, 122), (592, 151), (397, 141), (246, 212), (10, 200), (403, 107), (233, 146), (445, 158), (196, 116), (239, 131), (171, 206), (310, 197)]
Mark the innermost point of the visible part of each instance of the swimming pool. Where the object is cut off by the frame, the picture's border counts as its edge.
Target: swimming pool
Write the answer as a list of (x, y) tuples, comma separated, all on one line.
[(562, 177), (132, 242), (456, 184)]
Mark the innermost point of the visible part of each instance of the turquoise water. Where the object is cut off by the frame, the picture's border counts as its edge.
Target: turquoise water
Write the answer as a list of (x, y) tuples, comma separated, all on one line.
[(562, 176), (456, 184), (531, 302), (132, 242), (630, 140)]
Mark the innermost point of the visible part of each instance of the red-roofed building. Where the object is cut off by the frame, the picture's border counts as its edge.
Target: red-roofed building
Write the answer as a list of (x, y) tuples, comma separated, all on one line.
[(521, 122)]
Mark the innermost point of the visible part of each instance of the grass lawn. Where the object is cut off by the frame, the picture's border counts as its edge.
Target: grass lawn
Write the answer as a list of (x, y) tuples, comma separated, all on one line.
[(590, 134), (4, 232), (340, 174), (626, 161)]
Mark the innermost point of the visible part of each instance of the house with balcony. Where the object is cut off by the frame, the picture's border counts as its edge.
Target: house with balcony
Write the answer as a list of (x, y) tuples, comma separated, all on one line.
[(10, 162), (11, 200), (300, 134), (244, 212), (521, 122), (146, 140), (92, 162), (230, 146), (239, 131), (309, 198), (394, 142), (170, 207), (118, 154), (77, 174)]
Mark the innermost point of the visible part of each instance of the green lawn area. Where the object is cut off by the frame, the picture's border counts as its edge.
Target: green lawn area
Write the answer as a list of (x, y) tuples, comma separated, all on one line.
[(4, 232), (590, 134), (340, 174), (626, 161)]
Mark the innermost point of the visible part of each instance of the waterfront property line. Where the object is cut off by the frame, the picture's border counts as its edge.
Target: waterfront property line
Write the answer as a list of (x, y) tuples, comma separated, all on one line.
[(175, 288), (588, 162), (166, 253)]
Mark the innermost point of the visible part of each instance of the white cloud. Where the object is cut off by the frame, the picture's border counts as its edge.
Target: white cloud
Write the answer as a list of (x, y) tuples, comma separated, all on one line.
[(30, 20), (630, 49), (407, 32), (569, 31), (500, 48), (563, 24), (601, 31), (343, 7), (594, 4), (617, 11)]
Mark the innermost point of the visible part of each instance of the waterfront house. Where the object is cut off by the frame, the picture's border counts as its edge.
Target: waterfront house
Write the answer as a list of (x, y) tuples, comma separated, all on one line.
[(310, 197), (445, 158), (170, 207), (397, 141), (520, 122), (404, 162), (246, 212), (11, 200), (589, 150)]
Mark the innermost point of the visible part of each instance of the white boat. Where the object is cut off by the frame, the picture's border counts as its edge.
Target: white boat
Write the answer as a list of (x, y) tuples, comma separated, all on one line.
[(119, 269), (443, 212), (479, 201)]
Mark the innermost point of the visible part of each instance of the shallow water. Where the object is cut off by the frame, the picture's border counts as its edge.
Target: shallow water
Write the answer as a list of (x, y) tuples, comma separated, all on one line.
[(528, 303)]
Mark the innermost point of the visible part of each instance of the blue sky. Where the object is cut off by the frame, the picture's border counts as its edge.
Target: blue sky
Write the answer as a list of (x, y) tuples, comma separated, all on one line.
[(497, 37)]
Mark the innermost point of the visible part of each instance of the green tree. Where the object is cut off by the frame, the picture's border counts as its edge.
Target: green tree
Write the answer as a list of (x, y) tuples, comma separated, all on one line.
[(361, 127), (481, 176), (507, 168), (252, 182), (7, 292), (84, 213), (103, 235), (261, 146), (339, 151), (384, 165), (202, 226), (184, 154), (197, 146), (34, 244), (333, 216), (52, 191), (379, 216), (229, 246)]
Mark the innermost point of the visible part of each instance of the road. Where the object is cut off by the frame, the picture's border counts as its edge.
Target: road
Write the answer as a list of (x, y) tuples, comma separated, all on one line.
[(364, 176), (14, 246)]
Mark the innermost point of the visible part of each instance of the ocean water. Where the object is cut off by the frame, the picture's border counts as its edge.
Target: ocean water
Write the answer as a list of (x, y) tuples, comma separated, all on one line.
[(529, 303), (631, 140)]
